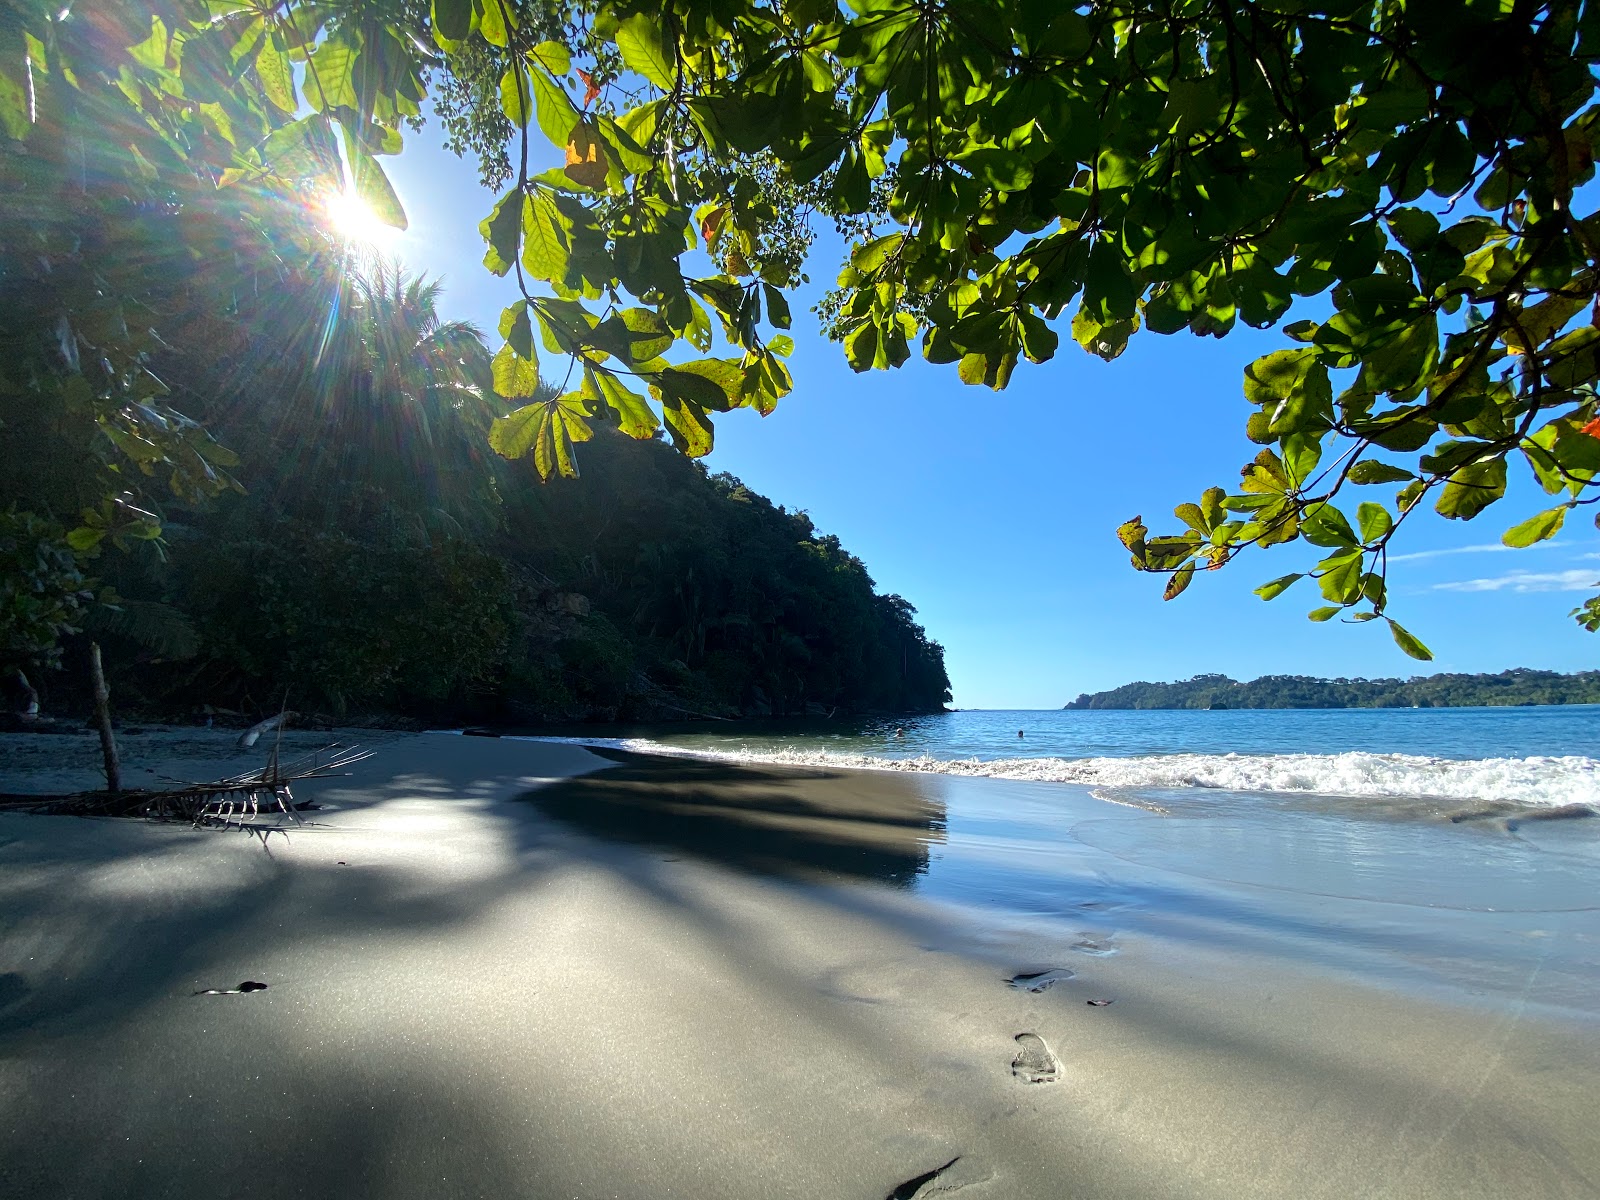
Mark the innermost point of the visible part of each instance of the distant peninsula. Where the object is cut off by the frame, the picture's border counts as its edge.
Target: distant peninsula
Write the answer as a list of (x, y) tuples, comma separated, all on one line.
[(1509, 688)]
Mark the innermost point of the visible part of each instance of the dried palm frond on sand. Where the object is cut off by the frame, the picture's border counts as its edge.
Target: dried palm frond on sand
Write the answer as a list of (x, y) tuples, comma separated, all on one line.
[(237, 802)]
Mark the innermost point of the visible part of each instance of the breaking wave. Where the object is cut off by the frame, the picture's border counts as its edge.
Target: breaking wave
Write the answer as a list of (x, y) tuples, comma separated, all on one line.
[(1538, 781)]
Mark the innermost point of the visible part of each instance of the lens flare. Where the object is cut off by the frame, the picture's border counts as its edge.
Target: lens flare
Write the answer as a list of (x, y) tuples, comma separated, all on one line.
[(352, 218)]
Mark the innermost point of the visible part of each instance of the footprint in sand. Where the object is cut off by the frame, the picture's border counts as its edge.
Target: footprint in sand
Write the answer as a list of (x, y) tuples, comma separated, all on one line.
[(956, 1174), (1034, 1062), (1038, 981), (1095, 944)]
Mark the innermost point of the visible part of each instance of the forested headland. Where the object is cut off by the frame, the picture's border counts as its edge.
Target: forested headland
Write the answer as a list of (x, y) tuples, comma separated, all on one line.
[(1508, 688), (370, 557)]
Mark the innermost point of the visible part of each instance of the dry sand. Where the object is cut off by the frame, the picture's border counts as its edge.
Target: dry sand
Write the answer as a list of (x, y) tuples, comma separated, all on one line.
[(471, 994)]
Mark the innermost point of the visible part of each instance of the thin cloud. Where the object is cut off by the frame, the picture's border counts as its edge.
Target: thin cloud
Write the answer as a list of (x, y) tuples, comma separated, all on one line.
[(1581, 580), (1485, 548)]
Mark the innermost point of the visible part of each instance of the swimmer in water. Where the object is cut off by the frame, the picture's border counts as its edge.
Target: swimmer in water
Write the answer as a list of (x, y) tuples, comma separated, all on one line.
[(899, 733), (1019, 733)]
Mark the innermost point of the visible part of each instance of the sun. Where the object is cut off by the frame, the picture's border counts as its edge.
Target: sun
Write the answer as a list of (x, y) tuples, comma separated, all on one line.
[(352, 218)]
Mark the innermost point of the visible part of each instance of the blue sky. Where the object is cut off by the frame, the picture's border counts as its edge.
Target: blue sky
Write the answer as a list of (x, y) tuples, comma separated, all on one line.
[(994, 512)]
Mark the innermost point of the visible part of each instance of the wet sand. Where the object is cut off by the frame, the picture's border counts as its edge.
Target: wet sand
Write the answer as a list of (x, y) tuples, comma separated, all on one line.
[(507, 969)]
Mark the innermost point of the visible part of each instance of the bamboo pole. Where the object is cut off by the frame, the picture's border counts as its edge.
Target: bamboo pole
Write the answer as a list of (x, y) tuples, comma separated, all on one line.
[(102, 719)]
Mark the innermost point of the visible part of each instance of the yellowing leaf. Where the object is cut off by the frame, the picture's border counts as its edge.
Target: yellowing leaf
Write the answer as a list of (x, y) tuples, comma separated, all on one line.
[(586, 157)]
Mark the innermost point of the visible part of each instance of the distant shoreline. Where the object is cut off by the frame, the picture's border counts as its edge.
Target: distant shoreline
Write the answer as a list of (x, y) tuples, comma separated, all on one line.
[(1517, 688)]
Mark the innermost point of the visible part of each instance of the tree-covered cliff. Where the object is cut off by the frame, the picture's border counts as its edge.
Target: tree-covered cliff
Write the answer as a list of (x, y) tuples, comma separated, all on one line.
[(376, 558)]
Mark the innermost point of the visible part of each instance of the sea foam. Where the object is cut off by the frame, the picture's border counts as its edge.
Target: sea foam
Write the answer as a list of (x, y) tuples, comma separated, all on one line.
[(1538, 781)]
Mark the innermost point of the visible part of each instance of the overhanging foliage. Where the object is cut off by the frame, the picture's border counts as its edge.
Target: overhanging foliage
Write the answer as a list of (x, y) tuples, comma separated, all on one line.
[(1014, 168)]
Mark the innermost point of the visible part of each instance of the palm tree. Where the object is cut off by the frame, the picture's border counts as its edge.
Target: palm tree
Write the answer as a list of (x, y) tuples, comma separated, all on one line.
[(409, 405)]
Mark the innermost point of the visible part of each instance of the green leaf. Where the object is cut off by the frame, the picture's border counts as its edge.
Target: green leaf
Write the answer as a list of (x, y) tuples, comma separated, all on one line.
[(517, 329), (1471, 489), (869, 257), (1276, 588), (515, 377), (15, 110), (1003, 170), (452, 19), (715, 383), (1374, 520), (545, 248), (1103, 341), (1536, 528), (648, 333), (634, 416), (1178, 582), (502, 230), (1324, 614), (83, 538), (1325, 525), (302, 150), (1340, 579), (372, 185), (689, 426), (1371, 471), (515, 100), (643, 50), (277, 79), (553, 57), (553, 107), (1409, 644), (495, 22), (777, 306)]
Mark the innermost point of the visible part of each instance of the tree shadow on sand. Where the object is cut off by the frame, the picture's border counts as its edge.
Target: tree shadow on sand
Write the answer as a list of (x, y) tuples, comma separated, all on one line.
[(766, 820)]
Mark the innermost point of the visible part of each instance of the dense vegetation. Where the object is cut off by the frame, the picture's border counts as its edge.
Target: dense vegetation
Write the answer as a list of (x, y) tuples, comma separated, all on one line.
[(380, 561), (1302, 691)]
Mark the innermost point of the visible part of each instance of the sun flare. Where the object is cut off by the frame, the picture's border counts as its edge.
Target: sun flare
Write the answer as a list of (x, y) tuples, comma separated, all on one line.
[(352, 218)]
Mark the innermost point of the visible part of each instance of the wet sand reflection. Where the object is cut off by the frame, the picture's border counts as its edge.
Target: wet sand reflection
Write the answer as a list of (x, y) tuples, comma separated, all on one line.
[(793, 822)]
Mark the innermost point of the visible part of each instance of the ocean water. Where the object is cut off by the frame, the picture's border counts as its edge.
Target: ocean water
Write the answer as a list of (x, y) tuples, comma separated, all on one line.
[(1377, 760), (1436, 847)]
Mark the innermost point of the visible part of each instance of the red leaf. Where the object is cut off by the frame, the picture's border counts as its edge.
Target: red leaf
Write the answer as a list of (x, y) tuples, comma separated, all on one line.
[(1592, 428), (713, 219), (591, 88)]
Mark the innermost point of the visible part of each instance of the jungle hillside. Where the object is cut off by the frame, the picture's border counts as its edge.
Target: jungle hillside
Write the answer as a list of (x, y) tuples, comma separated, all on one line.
[(371, 558)]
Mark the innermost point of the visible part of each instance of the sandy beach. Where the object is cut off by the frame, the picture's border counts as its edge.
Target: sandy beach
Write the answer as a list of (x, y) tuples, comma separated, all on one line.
[(501, 968)]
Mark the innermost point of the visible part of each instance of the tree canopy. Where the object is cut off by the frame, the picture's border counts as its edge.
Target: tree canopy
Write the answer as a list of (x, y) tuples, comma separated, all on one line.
[(1006, 169)]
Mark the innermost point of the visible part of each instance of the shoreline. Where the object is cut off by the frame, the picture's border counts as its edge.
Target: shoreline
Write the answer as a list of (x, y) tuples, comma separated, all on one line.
[(511, 968)]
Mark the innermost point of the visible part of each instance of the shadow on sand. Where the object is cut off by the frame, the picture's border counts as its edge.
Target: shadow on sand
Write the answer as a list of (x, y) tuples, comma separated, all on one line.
[(800, 824)]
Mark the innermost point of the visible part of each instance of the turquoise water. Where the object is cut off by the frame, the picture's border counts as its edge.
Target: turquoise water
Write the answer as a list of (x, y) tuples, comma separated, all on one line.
[(1546, 757)]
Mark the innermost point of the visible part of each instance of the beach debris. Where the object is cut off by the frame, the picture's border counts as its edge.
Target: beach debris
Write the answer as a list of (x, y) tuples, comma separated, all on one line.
[(249, 985), (1034, 1062), (238, 802), (102, 719), (1566, 812), (956, 1174), (1098, 1003), (248, 738), (1038, 981)]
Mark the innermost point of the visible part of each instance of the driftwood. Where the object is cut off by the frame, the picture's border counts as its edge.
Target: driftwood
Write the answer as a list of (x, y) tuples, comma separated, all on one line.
[(237, 802), (247, 739)]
